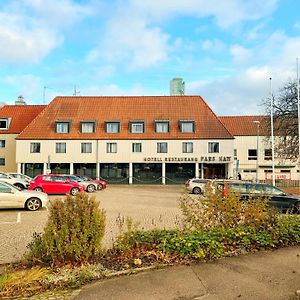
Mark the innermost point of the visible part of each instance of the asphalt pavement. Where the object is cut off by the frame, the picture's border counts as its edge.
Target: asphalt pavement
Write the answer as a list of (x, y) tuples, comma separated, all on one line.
[(264, 275)]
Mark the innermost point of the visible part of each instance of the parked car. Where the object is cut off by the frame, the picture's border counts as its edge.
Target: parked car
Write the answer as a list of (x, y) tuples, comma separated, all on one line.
[(20, 183), (20, 176), (55, 184), (13, 197), (197, 185), (101, 183), (276, 197), (88, 185)]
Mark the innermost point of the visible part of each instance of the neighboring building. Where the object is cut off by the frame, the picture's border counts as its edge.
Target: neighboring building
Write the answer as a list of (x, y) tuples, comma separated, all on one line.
[(250, 132), (20, 101), (177, 87), (13, 119), (151, 139)]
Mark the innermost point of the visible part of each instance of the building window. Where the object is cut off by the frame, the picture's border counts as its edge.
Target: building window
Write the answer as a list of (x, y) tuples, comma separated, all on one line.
[(111, 147), (86, 147), (252, 154), (268, 154), (162, 147), (187, 126), (60, 148), (187, 147), (88, 127), (35, 147), (137, 127), (62, 127), (162, 126), (112, 127), (136, 147), (235, 154), (2, 143), (4, 123), (2, 161), (213, 147)]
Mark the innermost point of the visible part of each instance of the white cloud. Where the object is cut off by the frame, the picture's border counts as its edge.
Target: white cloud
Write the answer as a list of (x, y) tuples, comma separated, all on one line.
[(31, 29), (213, 45), (28, 85), (240, 54), (226, 13), (130, 41)]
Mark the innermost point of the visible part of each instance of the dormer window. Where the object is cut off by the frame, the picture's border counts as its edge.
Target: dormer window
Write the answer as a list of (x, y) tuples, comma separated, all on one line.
[(4, 123), (62, 126), (137, 127), (186, 126), (162, 126), (88, 126), (112, 127)]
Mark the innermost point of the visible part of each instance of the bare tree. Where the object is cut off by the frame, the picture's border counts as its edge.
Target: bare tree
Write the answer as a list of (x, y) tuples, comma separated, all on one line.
[(285, 112)]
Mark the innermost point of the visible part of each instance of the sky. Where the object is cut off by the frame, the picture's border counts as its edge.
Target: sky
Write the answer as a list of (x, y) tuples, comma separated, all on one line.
[(225, 50)]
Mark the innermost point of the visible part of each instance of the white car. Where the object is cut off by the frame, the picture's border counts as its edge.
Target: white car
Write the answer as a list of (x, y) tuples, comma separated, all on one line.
[(20, 183), (13, 197), (197, 185), (20, 176)]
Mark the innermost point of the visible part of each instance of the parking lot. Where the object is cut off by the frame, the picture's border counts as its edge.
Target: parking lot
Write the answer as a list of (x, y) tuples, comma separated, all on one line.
[(152, 206)]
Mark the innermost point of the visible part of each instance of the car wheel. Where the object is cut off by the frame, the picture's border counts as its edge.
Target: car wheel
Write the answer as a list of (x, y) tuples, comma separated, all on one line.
[(38, 189), (196, 190), (74, 191), (33, 204), (296, 209), (19, 185), (90, 188), (100, 186)]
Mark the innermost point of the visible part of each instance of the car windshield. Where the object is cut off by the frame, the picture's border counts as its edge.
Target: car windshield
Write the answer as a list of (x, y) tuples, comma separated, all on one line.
[(272, 190)]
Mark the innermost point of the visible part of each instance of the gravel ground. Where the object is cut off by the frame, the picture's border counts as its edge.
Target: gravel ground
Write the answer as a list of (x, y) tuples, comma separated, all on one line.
[(152, 206)]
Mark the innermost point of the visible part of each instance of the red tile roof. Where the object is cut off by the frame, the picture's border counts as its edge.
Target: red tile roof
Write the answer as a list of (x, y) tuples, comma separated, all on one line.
[(126, 109), (21, 116), (244, 125)]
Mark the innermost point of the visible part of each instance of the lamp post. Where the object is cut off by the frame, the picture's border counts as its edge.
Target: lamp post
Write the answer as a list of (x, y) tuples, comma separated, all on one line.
[(257, 146)]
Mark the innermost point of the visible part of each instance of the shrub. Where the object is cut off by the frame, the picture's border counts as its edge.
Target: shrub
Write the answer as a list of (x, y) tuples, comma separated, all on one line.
[(73, 233), (216, 211)]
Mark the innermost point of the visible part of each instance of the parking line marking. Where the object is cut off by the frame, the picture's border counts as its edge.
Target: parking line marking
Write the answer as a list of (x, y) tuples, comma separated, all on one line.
[(19, 217)]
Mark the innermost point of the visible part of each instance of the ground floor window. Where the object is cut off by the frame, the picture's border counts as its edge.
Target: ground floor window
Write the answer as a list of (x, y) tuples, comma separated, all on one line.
[(179, 173), (57, 168), (214, 171), (115, 172), (32, 169), (144, 173), (88, 169)]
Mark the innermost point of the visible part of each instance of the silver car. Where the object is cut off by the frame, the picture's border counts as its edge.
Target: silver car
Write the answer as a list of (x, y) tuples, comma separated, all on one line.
[(20, 183), (13, 197), (197, 185), (89, 186)]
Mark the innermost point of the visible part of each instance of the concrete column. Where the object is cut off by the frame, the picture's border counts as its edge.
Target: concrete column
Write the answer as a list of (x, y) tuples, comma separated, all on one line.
[(45, 168), (97, 170), (202, 170), (230, 170), (71, 168), (19, 168), (196, 170), (163, 179), (130, 173)]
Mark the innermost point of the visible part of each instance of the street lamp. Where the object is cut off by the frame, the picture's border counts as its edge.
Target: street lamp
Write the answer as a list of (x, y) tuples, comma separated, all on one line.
[(257, 146)]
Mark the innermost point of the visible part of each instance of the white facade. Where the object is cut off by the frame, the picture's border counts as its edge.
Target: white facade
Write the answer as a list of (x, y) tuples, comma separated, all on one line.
[(284, 168)]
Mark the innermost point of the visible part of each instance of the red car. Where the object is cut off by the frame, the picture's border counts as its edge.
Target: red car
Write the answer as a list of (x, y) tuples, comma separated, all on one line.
[(101, 183), (55, 184)]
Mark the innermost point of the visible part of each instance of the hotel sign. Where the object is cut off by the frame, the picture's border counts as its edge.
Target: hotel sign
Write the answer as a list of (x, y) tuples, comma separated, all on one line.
[(201, 159)]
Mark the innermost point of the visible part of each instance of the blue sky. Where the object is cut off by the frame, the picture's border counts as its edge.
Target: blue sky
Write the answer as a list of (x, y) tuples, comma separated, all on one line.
[(225, 50)]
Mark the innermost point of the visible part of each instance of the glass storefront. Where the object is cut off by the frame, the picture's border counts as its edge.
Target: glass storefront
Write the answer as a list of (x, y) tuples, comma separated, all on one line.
[(33, 170), (115, 173), (179, 173), (60, 168), (214, 171), (85, 169), (147, 173)]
